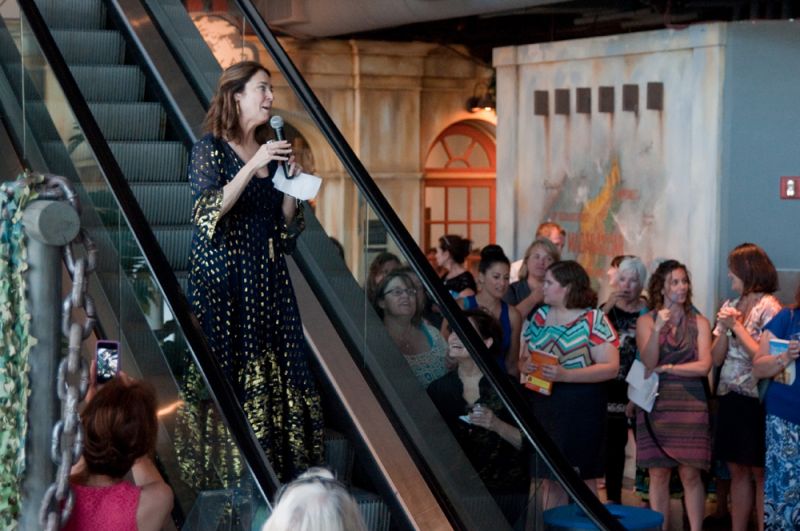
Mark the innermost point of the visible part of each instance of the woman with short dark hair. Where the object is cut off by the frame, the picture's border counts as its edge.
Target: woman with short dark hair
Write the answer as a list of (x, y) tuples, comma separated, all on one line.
[(674, 340), (736, 337), (119, 436), (570, 327)]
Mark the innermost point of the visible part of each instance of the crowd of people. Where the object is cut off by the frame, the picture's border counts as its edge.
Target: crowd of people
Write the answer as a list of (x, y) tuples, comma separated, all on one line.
[(540, 320), (647, 318)]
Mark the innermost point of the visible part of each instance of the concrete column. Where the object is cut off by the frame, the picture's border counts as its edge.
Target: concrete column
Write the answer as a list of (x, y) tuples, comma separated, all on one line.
[(49, 225)]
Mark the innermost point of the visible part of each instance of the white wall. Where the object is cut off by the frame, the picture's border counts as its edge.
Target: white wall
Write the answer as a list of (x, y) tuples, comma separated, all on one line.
[(644, 183)]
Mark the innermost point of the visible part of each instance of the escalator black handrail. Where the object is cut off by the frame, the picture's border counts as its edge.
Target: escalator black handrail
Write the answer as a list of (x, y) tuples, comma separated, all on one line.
[(220, 389), (511, 396)]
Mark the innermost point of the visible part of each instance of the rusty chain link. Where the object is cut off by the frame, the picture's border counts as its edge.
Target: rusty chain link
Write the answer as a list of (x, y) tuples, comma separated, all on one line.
[(72, 380)]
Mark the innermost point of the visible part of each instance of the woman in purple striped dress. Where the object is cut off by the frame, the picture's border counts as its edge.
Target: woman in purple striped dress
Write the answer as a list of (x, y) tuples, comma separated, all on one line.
[(675, 342)]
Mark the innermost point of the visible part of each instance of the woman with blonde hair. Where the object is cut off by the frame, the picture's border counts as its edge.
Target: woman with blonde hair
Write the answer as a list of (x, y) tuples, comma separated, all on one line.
[(526, 294)]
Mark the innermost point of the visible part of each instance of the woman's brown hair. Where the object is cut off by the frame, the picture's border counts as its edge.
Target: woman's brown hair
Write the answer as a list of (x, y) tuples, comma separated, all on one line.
[(751, 264), (573, 276), (408, 282), (458, 247), (119, 427), (659, 279), (222, 119)]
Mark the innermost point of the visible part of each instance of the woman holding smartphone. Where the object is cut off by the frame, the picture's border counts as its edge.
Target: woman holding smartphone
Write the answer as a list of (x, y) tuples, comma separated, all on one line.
[(675, 342), (119, 438)]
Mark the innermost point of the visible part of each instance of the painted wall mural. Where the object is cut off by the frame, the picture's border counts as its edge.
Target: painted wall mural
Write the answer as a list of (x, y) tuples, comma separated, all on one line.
[(616, 139)]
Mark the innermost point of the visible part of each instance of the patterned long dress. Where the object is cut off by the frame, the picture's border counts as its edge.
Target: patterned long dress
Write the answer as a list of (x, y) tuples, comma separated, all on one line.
[(240, 290), (679, 418), (574, 415)]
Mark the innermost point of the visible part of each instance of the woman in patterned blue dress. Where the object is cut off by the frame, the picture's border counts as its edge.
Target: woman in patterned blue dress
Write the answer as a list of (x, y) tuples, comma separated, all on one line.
[(570, 327), (239, 285), (782, 402)]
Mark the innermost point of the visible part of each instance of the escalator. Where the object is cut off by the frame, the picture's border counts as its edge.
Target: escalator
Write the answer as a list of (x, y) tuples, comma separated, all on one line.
[(106, 93)]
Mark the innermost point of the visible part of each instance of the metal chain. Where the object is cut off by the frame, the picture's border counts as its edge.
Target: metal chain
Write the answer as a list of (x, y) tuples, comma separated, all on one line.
[(72, 379)]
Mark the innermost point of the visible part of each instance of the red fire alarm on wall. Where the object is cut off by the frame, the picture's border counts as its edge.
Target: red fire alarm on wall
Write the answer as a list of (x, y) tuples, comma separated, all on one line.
[(790, 187)]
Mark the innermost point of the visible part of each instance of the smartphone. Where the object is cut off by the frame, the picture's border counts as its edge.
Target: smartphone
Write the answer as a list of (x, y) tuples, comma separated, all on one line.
[(107, 354)]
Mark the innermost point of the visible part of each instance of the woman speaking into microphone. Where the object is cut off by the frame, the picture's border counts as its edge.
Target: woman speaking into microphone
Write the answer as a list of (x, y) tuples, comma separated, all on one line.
[(239, 286)]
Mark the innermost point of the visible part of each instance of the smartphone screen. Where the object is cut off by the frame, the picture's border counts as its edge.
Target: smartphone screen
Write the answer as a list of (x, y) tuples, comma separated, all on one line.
[(107, 360)]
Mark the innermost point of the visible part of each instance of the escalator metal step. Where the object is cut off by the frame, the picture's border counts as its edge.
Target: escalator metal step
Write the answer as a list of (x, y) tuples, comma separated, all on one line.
[(374, 511), (164, 203), (176, 243), (84, 47), (130, 121), (339, 455), (151, 161), (73, 14), (110, 83)]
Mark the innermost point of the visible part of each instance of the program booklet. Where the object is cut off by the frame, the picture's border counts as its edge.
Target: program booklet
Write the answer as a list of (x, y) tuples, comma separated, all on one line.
[(535, 381), (787, 375)]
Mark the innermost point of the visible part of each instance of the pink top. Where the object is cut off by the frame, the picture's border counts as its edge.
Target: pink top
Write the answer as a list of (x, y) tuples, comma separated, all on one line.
[(104, 508)]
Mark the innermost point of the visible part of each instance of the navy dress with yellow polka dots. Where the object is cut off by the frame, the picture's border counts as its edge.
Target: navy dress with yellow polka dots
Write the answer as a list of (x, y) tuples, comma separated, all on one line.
[(240, 290)]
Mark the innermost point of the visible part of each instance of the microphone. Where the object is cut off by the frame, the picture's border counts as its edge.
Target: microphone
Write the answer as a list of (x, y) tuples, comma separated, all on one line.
[(276, 122)]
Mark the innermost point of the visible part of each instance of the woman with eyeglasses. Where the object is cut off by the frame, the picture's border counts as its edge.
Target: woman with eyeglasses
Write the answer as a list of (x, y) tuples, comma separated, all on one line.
[(421, 344)]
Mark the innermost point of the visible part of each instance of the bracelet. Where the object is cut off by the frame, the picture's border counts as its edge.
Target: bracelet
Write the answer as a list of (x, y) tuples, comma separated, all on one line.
[(781, 361), (668, 367)]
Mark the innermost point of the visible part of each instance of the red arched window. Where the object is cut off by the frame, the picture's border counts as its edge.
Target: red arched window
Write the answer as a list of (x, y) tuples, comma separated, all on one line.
[(459, 186)]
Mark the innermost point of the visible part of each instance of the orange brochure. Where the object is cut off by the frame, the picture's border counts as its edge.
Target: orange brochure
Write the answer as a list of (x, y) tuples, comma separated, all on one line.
[(535, 381)]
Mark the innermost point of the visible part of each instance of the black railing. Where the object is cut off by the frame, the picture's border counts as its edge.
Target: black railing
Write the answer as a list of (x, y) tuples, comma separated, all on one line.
[(220, 390), (510, 394)]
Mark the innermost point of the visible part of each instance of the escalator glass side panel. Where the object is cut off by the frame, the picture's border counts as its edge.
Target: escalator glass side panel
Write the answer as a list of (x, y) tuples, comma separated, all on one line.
[(211, 480), (352, 210), (342, 240)]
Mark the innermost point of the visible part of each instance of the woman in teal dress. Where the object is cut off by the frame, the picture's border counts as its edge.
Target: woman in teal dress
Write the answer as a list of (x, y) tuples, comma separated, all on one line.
[(239, 284)]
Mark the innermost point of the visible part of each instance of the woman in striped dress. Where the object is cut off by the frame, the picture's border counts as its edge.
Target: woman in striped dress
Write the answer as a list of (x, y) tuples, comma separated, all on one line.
[(675, 342)]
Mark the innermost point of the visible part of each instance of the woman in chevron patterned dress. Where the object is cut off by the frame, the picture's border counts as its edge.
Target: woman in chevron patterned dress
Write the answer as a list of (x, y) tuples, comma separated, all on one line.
[(570, 327)]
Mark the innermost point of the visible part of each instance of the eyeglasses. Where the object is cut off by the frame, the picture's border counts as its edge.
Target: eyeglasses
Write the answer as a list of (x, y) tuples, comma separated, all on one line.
[(398, 292)]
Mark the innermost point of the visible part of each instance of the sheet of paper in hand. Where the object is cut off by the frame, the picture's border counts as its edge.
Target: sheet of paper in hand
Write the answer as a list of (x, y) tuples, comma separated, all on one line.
[(642, 391), (302, 186)]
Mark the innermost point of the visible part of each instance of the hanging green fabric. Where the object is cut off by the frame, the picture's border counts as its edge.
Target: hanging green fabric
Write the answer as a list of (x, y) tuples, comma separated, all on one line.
[(15, 344)]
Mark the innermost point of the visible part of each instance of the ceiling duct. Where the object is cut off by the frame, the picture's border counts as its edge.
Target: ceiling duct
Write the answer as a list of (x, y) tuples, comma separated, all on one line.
[(328, 18)]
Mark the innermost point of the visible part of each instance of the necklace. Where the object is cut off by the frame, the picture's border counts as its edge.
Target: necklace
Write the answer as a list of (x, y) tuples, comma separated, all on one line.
[(403, 339)]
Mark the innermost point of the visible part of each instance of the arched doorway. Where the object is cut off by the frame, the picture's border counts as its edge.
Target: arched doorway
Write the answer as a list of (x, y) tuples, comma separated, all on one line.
[(459, 184)]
